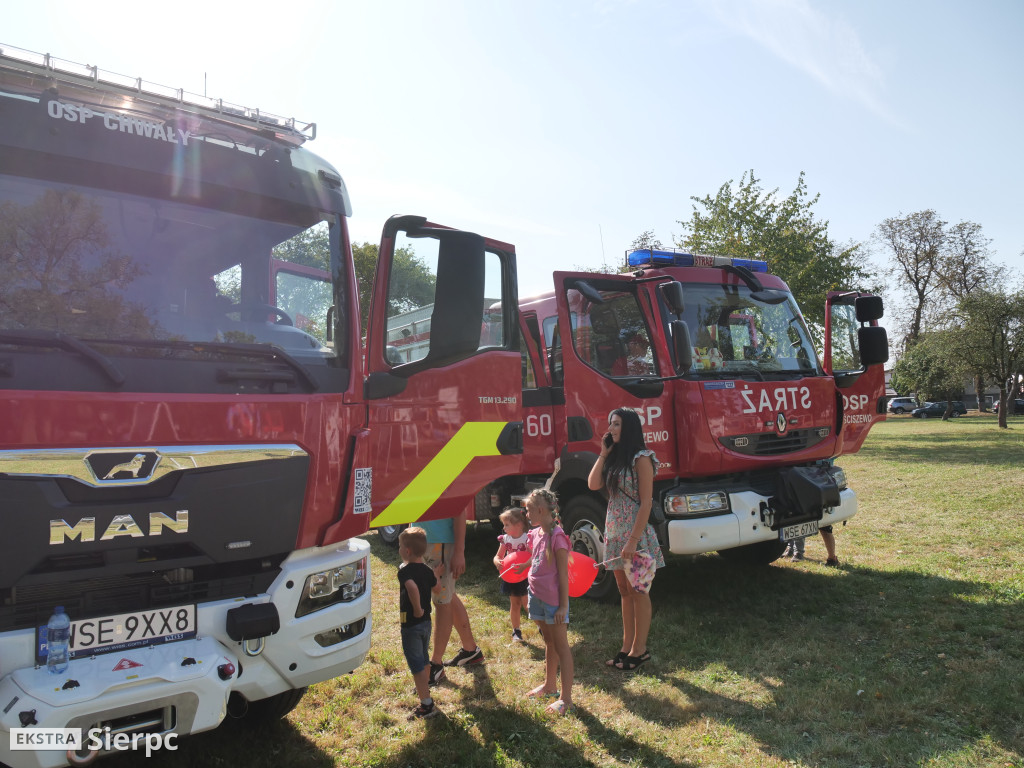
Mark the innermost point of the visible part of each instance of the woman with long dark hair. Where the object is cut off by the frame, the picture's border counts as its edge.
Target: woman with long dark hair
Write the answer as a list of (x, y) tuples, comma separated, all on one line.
[(626, 468)]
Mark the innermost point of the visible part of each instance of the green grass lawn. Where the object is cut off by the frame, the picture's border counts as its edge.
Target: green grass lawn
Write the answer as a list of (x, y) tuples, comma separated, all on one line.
[(911, 653)]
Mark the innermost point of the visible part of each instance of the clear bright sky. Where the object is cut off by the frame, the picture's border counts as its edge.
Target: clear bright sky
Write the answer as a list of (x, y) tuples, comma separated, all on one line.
[(568, 128)]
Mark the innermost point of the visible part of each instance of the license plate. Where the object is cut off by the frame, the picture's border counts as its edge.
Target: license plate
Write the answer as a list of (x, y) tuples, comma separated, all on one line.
[(798, 531), (91, 637)]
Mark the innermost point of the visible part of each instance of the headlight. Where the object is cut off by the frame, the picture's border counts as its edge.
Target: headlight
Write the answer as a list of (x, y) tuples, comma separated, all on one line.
[(698, 503), (337, 585), (839, 476)]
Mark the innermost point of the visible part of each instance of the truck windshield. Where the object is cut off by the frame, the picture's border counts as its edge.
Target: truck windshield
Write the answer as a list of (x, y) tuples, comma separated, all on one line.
[(732, 331), (100, 265)]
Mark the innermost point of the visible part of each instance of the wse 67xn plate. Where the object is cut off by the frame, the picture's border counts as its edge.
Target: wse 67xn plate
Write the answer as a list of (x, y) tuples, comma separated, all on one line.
[(798, 531)]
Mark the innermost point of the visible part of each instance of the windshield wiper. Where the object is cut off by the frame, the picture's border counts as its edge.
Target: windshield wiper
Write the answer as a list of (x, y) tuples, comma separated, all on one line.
[(56, 339)]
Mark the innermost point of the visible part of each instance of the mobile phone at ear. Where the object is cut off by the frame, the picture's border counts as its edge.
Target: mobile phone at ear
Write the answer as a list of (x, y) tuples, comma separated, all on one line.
[(608, 441)]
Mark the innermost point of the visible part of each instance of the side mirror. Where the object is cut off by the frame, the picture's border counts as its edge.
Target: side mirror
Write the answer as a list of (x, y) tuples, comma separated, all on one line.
[(458, 296), (681, 346), (873, 342), (868, 308), (673, 295)]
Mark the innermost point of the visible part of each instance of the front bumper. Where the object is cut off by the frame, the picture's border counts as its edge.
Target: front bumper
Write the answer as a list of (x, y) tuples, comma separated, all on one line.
[(741, 526), (176, 688)]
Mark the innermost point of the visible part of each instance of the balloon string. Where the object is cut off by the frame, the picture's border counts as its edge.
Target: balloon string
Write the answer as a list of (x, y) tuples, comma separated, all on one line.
[(639, 551)]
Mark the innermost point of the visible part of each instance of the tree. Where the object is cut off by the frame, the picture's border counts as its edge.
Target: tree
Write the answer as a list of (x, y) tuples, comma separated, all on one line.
[(990, 338), (645, 239), (310, 248), (748, 222), (932, 367), (965, 266), (411, 284), (915, 243), (307, 298), (61, 271)]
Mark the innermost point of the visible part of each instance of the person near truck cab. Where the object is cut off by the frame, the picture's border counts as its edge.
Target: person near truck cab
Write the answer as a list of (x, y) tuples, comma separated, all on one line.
[(446, 542), (626, 468), (416, 582)]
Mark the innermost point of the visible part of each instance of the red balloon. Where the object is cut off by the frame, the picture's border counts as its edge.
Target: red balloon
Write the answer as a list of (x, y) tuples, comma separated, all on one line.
[(511, 559), (582, 572)]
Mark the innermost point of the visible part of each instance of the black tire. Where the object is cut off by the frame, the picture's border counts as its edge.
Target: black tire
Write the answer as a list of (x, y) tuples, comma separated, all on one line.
[(955, 415), (264, 711), (389, 533), (760, 554), (898, 410), (482, 511), (583, 521)]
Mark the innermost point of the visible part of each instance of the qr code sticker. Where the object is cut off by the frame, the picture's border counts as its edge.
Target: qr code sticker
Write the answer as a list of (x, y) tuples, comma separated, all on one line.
[(362, 490)]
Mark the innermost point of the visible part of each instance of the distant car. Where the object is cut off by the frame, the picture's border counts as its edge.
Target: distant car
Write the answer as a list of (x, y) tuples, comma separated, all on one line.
[(937, 409), (1016, 407), (902, 404)]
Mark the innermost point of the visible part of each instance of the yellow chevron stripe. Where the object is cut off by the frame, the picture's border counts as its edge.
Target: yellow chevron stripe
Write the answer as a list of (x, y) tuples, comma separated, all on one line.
[(474, 438)]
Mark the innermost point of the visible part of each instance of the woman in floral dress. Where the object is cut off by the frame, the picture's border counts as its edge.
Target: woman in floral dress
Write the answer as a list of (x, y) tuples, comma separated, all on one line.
[(627, 468)]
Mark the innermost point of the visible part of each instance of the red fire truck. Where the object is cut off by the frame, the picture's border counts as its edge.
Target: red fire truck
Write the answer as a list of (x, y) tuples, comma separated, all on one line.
[(192, 432), (716, 357)]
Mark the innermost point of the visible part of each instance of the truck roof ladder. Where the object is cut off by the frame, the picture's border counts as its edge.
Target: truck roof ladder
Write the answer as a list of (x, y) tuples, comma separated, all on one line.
[(95, 79)]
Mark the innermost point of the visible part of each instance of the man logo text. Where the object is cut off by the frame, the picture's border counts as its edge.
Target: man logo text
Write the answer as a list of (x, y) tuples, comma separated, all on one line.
[(84, 530)]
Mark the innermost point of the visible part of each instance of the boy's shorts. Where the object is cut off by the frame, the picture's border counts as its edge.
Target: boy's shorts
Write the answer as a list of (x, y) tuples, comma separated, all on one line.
[(541, 611), (436, 554), (416, 646)]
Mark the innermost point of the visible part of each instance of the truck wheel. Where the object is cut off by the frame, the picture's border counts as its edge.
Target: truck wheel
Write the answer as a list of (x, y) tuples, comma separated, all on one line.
[(761, 553), (583, 520), (482, 511), (389, 534), (263, 711)]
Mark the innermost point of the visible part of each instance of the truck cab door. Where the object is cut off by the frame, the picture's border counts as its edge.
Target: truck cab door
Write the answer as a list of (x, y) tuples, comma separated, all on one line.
[(443, 387), (539, 400), (608, 351), (856, 349)]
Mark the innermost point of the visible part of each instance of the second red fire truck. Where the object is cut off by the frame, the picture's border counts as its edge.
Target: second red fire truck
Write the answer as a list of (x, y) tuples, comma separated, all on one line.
[(714, 354)]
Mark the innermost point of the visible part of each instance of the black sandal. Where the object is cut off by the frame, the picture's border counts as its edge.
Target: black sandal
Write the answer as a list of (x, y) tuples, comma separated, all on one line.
[(620, 657), (633, 662)]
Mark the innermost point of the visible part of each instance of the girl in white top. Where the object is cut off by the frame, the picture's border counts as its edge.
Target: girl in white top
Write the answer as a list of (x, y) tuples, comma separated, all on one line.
[(514, 539)]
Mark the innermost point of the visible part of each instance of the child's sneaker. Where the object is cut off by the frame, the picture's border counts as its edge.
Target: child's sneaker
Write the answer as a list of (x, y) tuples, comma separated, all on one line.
[(436, 673), (423, 711), (464, 658), (517, 636)]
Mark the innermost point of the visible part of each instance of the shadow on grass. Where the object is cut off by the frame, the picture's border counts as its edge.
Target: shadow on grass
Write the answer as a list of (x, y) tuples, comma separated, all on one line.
[(813, 664), (234, 744), (851, 666)]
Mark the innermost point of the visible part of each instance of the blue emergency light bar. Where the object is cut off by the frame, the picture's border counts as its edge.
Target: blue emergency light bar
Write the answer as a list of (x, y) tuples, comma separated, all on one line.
[(664, 258)]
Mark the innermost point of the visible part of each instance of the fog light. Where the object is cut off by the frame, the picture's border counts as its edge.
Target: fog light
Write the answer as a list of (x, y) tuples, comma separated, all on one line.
[(839, 476)]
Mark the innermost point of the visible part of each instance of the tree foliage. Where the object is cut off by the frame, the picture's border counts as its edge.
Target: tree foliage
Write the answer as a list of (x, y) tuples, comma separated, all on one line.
[(915, 244), (747, 222), (411, 283), (932, 368), (990, 338)]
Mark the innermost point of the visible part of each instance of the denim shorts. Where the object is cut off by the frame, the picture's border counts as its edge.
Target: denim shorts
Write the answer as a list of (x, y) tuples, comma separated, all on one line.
[(541, 611), (416, 645)]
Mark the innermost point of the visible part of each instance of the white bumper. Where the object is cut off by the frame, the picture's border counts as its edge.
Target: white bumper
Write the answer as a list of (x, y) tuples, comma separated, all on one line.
[(180, 682), (742, 525)]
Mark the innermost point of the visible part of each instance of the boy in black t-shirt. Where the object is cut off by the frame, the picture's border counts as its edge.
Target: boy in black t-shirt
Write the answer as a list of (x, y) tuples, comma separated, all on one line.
[(416, 581)]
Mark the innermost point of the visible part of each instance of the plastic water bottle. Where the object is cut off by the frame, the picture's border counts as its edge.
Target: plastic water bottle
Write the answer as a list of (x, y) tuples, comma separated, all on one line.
[(58, 632)]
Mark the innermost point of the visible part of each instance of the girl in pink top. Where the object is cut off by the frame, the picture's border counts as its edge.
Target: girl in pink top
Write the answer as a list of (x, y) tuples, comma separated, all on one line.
[(549, 597)]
